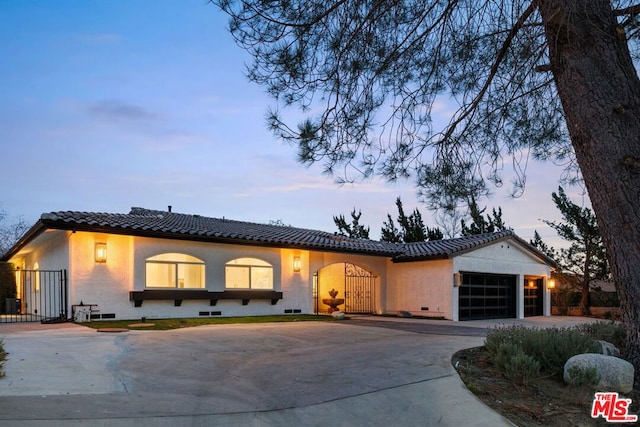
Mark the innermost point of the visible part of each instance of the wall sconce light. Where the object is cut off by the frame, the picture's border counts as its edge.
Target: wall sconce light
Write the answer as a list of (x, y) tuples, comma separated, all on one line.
[(457, 280), (101, 252), (297, 263), (551, 284)]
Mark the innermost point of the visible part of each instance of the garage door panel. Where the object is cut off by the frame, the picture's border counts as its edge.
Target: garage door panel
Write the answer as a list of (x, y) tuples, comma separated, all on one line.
[(487, 296)]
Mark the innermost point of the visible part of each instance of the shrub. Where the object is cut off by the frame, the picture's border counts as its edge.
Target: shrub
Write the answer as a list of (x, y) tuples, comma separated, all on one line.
[(612, 332), (582, 377), (550, 348), (506, 351), (553, 347), (521, 368), (501, 335)]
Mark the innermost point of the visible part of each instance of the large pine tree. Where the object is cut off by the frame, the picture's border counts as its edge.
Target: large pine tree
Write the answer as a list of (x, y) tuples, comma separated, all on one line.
[(530, 78)]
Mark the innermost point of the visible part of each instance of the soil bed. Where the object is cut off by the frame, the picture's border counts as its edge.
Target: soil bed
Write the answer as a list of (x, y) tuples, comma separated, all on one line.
[(543, 402)]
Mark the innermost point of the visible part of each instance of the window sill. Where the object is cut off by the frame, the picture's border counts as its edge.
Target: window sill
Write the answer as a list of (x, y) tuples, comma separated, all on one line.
[(178, 295)]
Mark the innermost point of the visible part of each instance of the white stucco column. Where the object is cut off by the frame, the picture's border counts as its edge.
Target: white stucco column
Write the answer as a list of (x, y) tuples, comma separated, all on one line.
[(520, 297), (546, 301), (455, 300)]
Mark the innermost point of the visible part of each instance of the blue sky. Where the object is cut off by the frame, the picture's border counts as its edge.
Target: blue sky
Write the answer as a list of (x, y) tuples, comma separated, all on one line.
[(105, 105)]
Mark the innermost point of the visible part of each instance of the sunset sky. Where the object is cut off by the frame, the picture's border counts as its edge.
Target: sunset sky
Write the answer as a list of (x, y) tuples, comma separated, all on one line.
[(105, 105)]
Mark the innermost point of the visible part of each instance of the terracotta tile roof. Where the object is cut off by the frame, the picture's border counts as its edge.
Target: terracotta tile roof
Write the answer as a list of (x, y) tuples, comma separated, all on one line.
[(171, 225)]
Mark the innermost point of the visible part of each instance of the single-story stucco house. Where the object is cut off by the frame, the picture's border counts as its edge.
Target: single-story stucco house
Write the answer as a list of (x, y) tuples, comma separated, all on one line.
[(162, 264)]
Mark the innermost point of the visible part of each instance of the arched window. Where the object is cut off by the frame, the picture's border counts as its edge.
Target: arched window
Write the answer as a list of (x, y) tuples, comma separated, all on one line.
[(248, 273), (174, 270)]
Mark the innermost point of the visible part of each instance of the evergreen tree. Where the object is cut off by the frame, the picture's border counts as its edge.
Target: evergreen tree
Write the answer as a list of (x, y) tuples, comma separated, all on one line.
[(479, 224), (542, 246), (355, 229), (390, 232), (412, 228), (586, 256)]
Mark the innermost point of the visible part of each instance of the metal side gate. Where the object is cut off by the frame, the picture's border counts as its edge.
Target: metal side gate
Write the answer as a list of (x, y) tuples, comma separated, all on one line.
[(358, 284), (41, 296)]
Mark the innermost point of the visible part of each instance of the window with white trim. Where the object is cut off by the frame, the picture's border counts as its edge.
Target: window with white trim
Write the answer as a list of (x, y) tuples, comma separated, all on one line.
[(248, 273), (174, 270)]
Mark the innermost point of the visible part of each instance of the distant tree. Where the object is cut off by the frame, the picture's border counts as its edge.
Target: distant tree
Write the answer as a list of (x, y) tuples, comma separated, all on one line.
[(412, 228), (586, 257), (278, 222), (479, 224), (10, 231), (450, 222), (355, 229), (389, 232), (542, 246)]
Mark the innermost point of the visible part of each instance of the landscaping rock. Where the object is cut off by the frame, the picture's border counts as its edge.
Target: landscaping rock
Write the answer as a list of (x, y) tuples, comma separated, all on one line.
[(615, 374), (338, 315), (404, 314), (606, 348)]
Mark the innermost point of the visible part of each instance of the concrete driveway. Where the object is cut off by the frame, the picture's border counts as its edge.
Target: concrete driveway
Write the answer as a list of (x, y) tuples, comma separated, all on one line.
[(350, 373)]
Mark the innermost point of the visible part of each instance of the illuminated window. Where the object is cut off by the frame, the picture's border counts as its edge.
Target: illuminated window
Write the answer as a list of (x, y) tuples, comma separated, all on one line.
[(173, 270), (248, 273)]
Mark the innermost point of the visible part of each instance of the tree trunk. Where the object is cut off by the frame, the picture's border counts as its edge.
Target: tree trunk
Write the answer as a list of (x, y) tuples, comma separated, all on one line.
[(600, 93), (585, 307)]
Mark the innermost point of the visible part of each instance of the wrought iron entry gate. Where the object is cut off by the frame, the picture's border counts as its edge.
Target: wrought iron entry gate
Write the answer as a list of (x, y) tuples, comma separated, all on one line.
[(41, 296), (358, 285)]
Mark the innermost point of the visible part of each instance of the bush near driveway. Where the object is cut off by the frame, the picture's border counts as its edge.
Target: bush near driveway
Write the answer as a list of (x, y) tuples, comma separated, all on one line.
[(520, 352)]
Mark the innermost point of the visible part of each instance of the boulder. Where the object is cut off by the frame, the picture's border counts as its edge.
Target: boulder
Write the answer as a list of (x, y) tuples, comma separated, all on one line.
[(404, 314), (615, 374), (338, 315), (606, 348)]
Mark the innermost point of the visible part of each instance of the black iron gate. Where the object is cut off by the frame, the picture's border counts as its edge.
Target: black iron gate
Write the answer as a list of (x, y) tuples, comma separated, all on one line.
[(40, 296), (358, 285)]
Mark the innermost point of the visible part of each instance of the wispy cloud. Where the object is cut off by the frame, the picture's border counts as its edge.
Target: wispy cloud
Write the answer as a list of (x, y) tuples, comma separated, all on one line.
[(118, 111)]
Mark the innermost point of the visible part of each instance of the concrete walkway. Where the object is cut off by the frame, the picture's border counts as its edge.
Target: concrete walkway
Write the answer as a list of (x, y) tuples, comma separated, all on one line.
[(371, 371)]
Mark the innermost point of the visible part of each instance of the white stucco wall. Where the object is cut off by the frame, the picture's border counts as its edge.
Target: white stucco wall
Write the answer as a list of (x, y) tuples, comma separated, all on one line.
[(110, 283), (106, 284), (423, 288)]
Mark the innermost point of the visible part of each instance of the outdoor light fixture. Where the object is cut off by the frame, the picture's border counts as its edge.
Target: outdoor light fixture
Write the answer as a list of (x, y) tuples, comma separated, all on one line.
[(296, 264), (457, 280), (101, 252), (551, 284)]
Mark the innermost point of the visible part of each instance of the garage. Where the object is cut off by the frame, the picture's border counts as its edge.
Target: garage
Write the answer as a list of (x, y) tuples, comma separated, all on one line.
[(487, 296)]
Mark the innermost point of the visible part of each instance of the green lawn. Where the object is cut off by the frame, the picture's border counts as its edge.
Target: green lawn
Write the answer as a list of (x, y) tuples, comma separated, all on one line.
[(166, 324)]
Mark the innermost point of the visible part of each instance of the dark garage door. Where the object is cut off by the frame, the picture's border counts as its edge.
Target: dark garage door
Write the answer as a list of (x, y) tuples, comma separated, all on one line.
[(487, 296)]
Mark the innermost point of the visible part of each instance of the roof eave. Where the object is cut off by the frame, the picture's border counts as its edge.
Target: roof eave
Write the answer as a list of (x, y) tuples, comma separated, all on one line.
[(38, 228), (403, 258), (71, 226)]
